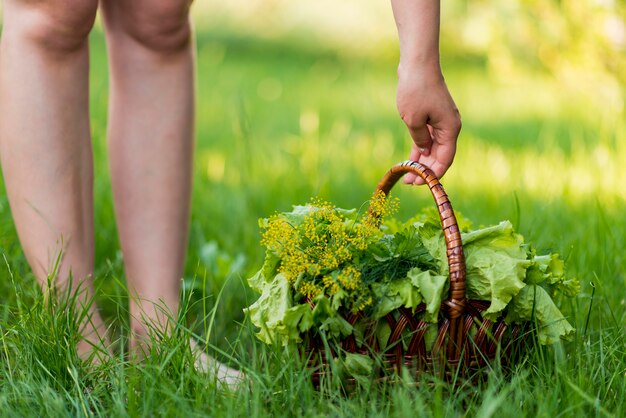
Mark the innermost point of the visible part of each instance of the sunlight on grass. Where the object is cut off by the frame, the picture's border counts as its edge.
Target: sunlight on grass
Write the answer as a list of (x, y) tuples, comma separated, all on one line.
[(590, 171), (215, 164)]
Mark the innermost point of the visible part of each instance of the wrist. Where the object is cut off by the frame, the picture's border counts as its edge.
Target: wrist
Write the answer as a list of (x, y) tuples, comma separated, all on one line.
[(419, 56), (428, 69)]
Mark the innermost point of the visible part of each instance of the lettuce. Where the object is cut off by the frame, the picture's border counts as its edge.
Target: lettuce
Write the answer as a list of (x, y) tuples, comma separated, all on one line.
[(496, 266), (550, 269), (328, 319), (533, 303), (417, 287), (274, 314)]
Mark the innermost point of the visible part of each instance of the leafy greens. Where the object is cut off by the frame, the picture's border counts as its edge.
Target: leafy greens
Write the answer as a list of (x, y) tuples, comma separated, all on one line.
[(377, 270)]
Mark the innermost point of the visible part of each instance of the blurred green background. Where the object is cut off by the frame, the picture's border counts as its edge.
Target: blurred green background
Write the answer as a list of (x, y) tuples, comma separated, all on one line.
[(297, 99)]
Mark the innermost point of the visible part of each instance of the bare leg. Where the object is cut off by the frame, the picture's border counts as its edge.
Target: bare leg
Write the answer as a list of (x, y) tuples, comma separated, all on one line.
[(151, 146), (45, 143)]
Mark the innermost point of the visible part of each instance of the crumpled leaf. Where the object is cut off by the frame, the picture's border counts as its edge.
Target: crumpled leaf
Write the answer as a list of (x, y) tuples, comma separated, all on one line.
[(432, 287), (534, 303), (418, 286), (391, 296), (495, 259), (501, 236), (359, 366), (496, 265), (328, 318), (431, 235), (296, 216), (257, 282), (550, 269), (274, 315), (493, 276), (266, 273), (569, 287)]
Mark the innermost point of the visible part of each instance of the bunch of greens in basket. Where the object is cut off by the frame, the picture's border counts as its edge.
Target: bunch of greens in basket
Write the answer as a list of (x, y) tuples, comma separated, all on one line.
[(323, 263)]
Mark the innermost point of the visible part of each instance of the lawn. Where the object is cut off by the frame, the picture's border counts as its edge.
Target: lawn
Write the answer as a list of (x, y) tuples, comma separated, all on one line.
[(282, 120)]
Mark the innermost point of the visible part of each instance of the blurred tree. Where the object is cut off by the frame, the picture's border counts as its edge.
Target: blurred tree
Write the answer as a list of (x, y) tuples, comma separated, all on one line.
[(582, 43)]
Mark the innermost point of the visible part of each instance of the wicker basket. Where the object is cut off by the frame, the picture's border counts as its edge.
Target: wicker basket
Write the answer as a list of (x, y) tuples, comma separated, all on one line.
[(465, 341)]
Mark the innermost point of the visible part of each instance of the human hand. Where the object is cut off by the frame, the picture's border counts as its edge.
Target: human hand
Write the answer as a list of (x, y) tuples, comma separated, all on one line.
[(433, 120)]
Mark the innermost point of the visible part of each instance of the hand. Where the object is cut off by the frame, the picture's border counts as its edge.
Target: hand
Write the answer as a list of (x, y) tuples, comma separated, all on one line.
[(434, 122)]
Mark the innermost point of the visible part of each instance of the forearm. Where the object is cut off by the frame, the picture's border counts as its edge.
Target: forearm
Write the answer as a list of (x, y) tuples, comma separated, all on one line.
[(418, 31), (424, 102)]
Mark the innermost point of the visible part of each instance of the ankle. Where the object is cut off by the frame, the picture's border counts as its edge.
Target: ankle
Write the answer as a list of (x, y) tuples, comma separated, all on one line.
[(94, 347)]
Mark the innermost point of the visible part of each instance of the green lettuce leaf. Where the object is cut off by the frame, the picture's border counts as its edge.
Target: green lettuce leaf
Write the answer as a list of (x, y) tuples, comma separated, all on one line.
[(360, 367), (275, 316), (495, 258), (268, 271), (328, 319), (417, 287), (496, 265), (431, 235), (550, 270), (392, 295), (432, 288), (297, 215), (534, 303)]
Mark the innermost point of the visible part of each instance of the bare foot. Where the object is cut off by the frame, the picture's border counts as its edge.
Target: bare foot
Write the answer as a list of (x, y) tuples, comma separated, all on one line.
[(94, 351), (226, 376), (94, 347)]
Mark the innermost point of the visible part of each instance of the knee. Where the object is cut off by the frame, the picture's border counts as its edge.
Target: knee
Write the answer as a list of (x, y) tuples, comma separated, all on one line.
[(163, 27), (56, 25)]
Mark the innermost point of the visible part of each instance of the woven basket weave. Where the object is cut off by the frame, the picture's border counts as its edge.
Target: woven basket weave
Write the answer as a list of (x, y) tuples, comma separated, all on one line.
[(465, 341)]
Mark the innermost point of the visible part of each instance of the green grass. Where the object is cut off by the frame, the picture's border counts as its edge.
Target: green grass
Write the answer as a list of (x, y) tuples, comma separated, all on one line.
[(281, 121)]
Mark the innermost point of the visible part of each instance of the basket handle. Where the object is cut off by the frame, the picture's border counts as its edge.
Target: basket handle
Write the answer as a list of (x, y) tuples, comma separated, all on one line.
[(454, 246)]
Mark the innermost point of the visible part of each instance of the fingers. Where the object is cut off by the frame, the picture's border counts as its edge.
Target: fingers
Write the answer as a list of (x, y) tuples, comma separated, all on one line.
[(440, 159), (411, 178), (422, 144), (444, 145), (421, 137), (444, 156), (441, 154)]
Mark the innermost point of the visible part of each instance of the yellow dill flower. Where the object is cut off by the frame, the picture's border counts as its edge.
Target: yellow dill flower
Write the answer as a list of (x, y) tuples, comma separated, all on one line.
[(310, 290), (380, 206), (364, 304), (360, 238), (280, 236), (318, 252), (349, 278), (329, 284)]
